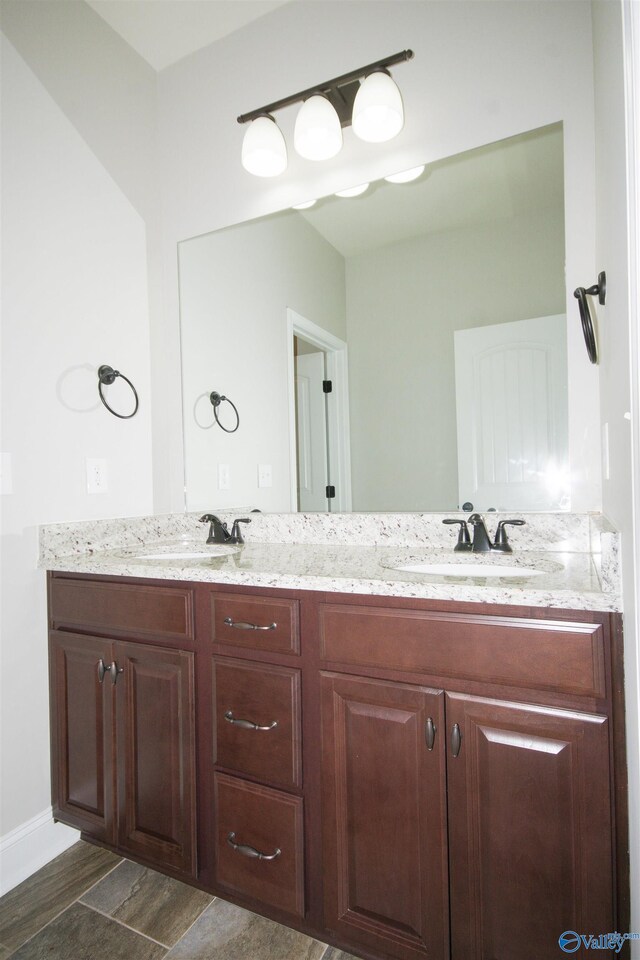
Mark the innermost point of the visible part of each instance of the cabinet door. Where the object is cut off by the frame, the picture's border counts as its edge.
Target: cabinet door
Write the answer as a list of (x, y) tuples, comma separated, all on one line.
[(156, 755), (384, 832), (82, 734), (529, 828)]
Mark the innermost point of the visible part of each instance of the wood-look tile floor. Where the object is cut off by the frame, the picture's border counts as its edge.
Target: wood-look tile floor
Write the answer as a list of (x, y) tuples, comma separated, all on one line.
[(89, 904)]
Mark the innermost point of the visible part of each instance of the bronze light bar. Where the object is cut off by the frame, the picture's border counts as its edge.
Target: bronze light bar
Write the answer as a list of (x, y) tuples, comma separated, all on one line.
[(330, 89)]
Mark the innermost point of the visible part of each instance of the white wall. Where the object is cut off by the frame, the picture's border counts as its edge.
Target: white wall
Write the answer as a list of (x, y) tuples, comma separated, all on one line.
[(74, 296), (404, 453), (236, 286), (614, 334), (482, 71)]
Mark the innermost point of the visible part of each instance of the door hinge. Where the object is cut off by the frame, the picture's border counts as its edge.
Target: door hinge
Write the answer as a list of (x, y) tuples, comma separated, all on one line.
[(327, 386), (330, 492)]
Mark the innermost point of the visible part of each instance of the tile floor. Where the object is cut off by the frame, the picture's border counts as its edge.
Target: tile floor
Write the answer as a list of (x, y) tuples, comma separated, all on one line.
[(89, 904)]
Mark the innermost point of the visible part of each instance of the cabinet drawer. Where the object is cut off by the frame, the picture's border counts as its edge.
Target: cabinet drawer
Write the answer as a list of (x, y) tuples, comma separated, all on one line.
[(255, 622), (561, 656), (268, 697), (260, 820), (121, 608)]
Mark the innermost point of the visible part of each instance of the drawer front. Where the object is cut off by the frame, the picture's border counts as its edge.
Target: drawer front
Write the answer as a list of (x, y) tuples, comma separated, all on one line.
[(122, 608), (260, 820), (256, 623), (257, 720), (563, 657)]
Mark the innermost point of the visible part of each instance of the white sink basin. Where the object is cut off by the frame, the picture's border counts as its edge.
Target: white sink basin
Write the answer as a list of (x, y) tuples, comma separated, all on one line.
[(203, 554), (470, 569)]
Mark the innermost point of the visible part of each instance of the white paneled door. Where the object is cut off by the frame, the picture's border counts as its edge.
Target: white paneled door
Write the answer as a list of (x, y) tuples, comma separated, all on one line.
[(511, 398), (311, 427)]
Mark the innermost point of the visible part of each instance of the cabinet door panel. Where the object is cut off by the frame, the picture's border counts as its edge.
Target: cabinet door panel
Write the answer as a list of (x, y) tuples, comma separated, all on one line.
[(156, 755), (384, 829), (529, 829), (81, 732)]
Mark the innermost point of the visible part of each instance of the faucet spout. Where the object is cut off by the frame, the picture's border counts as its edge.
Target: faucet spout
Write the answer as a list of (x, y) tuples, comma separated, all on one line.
[(219, 531), (481, 541)]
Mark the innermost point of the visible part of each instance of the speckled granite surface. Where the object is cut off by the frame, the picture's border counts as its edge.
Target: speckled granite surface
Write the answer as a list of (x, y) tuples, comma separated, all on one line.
[(577, 555)]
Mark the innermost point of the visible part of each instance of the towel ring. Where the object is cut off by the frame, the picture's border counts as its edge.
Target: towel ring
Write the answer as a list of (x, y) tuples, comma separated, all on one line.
[(107, 376), (216, 400), (598, 289)]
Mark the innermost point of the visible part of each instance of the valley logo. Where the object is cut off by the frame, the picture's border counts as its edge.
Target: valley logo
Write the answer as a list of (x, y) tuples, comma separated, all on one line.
[(570, 941)]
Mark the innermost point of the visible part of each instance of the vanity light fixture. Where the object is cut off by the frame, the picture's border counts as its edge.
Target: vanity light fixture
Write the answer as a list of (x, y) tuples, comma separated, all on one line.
[(353, 191), (367, 97), (406, 176), (305, 205)]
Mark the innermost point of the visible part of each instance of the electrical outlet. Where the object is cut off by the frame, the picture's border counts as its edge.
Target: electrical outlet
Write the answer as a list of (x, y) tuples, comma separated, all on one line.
[(224, 476), (97, 481), (264, 475)]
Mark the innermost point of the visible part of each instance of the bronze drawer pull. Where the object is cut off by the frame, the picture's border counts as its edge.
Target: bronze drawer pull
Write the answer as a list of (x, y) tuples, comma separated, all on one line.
[(251, 852), (240, 625), (102, 669), (456, 740), (248, 724)]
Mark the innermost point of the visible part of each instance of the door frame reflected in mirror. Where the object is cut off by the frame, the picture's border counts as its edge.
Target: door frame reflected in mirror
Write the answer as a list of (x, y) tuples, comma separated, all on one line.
[(338, 433)]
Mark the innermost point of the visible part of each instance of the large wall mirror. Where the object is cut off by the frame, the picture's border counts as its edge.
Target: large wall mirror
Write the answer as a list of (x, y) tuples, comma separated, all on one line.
[(433, 308)]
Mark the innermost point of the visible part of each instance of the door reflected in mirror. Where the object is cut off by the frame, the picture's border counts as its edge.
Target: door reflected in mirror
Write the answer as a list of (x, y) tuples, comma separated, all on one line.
[(404, 350)]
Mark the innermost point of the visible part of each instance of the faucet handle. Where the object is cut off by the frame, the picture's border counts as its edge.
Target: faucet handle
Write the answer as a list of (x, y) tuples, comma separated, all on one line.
[(501, 542), (464, 539), (235, 529)]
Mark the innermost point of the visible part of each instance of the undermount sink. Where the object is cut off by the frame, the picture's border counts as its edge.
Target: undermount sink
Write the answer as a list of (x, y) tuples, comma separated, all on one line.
[(216, 550), (471, 569), (482, 566)]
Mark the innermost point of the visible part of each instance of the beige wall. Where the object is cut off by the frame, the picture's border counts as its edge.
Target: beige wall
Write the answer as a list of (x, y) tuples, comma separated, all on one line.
[(74, 297), (236, 285), (403, 304), (615, 368)]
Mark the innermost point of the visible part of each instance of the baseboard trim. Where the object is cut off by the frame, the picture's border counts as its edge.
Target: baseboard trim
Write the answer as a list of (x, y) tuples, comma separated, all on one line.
[(30, 846)]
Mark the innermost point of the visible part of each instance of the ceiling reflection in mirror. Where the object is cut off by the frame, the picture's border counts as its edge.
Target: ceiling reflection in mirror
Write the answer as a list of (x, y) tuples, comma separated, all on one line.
[(433, 313)]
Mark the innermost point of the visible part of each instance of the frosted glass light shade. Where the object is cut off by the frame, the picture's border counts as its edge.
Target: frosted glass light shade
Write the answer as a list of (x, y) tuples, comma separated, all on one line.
[(264, 152), (378, 113), (406, 176), (353, 191), (317, 134)]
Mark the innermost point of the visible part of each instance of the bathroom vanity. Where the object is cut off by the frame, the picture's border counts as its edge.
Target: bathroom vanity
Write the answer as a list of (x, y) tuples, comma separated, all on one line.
[(403, 776)]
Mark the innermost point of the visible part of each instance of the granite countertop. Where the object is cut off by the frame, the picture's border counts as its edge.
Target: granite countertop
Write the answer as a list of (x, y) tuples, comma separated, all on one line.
[(568, 579)]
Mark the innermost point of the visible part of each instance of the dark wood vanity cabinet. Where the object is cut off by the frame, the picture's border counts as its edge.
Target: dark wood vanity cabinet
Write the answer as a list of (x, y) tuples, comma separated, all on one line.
[(384, 821), (485, 797), (530, 833), (255, 718), (459, 793), (123, 729)]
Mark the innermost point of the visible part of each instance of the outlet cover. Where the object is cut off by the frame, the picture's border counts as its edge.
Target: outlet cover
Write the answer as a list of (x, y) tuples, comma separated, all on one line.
[(97, 481), (265, 478), (224, 476)]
